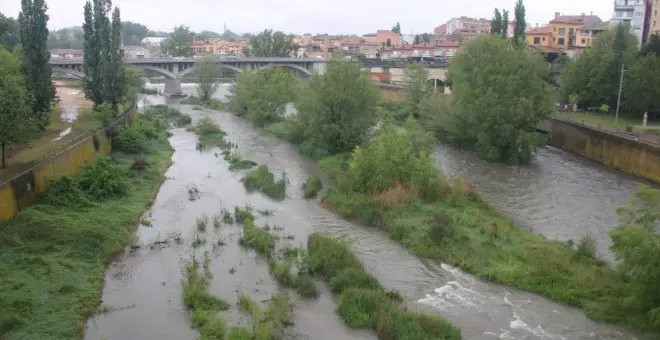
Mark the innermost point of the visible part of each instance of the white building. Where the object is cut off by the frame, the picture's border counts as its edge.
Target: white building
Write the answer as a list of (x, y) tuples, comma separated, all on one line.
[(632, 13), (152, 41)]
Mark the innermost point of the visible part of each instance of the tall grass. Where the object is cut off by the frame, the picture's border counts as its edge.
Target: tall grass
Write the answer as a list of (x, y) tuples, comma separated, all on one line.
[(268, 324), (53, 255), (210, 134), (261, 179), (363, 302), (312, 186), (203, 306)]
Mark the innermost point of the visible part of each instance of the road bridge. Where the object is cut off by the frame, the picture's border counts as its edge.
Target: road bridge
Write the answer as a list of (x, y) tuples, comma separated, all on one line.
[(173, 69)]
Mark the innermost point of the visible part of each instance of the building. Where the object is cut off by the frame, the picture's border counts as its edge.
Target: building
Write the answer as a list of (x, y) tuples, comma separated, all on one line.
[(633, 13), (61, 53), (569, 32), (382, 36), (466, 25), (135, 52), (370, 38), (441, 48), (152, 41), (440, 30), (654, 21), (539, 36)]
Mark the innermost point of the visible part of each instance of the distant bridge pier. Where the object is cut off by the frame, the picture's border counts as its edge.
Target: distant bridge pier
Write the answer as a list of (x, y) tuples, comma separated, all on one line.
[(173, 86)]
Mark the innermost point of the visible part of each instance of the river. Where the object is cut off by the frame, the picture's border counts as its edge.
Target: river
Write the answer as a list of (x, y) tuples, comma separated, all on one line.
[(559, 195)]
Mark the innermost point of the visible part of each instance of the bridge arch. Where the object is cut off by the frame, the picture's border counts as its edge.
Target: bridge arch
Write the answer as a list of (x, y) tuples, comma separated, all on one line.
[(436, 85), (156, 69), (72, 72), (292, 66), (225, 66)]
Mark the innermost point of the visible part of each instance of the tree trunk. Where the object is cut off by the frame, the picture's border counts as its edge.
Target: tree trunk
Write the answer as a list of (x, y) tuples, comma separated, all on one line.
[(4, 162)]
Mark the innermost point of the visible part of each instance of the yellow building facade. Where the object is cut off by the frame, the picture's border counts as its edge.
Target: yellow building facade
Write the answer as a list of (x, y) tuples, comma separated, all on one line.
[(574, 31)]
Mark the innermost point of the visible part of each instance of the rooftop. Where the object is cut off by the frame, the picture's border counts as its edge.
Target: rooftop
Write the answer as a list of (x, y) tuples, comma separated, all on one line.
[(586, 20)]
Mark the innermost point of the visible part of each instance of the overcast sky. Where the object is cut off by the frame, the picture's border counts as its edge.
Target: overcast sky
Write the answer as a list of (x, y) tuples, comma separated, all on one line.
[(313, 16)]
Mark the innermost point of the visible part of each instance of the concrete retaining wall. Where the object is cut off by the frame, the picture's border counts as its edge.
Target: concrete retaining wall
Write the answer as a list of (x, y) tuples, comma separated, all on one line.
[(618, 151), (24, 189)]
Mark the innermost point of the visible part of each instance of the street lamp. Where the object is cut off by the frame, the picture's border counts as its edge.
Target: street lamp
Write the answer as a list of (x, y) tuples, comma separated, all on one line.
[(618, 101)]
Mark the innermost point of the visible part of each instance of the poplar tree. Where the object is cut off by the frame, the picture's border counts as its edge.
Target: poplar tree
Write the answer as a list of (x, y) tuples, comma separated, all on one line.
[(496, 23), (15, 110), (505, 23), (115, 80), (35, 59), (91, 60), (520, 23)]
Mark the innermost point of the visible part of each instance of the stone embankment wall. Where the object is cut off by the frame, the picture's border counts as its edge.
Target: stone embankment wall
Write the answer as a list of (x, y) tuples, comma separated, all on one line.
[(24, 189), (624, 152)]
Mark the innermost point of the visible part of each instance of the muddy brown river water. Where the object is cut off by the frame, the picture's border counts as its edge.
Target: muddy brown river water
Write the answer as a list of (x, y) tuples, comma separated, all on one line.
[(559, 195)]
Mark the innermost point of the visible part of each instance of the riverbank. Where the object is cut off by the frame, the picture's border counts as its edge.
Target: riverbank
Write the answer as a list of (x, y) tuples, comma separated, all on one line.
[(54, 254), (477, 238)]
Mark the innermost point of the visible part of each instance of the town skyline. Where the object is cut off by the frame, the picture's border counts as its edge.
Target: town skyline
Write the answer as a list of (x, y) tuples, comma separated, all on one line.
[(299, 17)]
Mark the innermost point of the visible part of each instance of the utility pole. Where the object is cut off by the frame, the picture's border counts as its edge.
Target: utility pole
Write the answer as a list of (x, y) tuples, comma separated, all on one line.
[(618, 101)]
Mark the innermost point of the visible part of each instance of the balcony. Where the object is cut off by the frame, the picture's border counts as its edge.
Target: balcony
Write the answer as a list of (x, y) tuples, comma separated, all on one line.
[(624, 5)]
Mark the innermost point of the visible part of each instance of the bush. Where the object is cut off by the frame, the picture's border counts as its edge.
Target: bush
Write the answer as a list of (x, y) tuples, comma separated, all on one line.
[(256, 238), (394, 323), (586, 247), (283, 275), (263, 180), (129, 140), (103, 179), (359, 307), (312, 186), (306, 287), (353, 278), (440, 228), (328, 256), (65, 191), (239, 333), (139, 163), (241, 215), (184, 120)]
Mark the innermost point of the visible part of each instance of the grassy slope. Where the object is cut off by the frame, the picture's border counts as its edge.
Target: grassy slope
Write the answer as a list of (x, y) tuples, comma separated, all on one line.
[(52, 260)]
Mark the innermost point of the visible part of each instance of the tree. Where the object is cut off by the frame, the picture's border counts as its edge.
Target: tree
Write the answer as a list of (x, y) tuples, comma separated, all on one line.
[(594, 75), (204, 35), (336, 109), (426, 37), (132, 33), (261, 96), (415, 78), (9, 32), (417, 40), (207, 73), (496, 23), (35, 60), (15, 110), (641, 92), (500, 95), (397, 28), (519, 23), (505, 23), (179, 43), (388, 43), (91, 59), (652, 45), (271, 44), (115, 77), (636, 245)]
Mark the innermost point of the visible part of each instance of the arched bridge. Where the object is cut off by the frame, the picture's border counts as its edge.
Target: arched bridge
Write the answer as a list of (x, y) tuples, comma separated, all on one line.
[(175, 69)]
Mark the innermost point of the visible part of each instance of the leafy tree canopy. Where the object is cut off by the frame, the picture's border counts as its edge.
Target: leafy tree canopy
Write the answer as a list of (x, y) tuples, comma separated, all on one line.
[(415, 78), (15, 125), (179, 42), (271, 44), (132, 33), (500, 95), (9, 32), (207, 73)]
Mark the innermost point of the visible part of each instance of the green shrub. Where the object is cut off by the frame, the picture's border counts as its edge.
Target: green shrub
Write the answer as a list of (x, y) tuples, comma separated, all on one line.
[(103, 179), (184, 120), (129, 140), (210, 134), (283, 275), (394, 323), (328, 256), (586, 247), (306, 287), (65, 191), (258, 239), (359, 307), (241, 215), (195, 295), (312, 186), (239, 333), (201, 223), (440, 228), (241, 164), (353, 278), (261, 179)]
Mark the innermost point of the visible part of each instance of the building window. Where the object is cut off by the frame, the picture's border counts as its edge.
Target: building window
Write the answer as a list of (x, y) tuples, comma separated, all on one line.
[(584, 41), (543, 38), (537, 40), (629, 14), (571, 31), (562, 31), (560, 41), (553, 39)]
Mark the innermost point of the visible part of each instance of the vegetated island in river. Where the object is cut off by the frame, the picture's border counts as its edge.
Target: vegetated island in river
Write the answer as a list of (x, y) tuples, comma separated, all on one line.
[(386, 178), (54, 253)]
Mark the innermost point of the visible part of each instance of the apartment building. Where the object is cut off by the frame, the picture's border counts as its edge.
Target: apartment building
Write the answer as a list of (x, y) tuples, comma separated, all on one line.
[(635, 14), (441, 48), (569, 32), (654, 21)]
